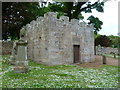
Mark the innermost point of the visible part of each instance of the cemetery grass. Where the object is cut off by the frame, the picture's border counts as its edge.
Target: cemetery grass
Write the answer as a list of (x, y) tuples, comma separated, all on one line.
[(59, 76), (111, 55)]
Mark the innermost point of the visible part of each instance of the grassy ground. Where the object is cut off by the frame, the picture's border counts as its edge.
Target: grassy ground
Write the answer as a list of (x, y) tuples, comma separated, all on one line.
[(61, 76), (111, 55)]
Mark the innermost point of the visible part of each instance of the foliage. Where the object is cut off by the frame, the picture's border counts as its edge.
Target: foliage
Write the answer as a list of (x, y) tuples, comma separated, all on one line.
[(96, 35), (61, 76), (111, 55), (96, 23), (115, 41), (17, 14), (75, 9), (102, 40)]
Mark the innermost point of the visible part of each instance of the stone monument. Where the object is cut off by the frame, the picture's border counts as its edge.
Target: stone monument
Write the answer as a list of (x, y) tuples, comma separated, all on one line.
[(21, 65), (19, 54)]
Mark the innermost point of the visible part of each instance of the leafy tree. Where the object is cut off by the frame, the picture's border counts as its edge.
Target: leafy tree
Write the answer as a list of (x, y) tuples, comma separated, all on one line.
[(17, 14), (75, 9), (95, 36), (96, 23), (103, 40), (115, 41)]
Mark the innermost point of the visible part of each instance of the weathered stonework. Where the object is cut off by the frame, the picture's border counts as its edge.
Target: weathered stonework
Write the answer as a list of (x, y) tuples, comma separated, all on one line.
[(19, 54), (107, 50), (6, 47), (51, 41)]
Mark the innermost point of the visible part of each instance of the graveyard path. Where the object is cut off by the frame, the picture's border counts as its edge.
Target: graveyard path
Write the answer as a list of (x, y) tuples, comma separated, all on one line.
[(98, 62), (110, 60)]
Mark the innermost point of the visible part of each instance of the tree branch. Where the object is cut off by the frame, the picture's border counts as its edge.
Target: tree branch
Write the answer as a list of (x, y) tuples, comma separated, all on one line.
[(77, 12), (83, 9)]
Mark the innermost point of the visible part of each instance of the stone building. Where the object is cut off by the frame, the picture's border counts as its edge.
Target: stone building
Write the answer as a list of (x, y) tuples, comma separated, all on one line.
[(53, 41)]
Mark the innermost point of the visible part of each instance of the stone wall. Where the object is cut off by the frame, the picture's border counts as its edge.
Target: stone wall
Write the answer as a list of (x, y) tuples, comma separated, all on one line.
[(51, 40), (107, 50), (6, 47)]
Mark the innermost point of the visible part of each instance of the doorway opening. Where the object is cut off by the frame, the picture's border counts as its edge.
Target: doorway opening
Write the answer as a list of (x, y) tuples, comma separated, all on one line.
[(76, 53)]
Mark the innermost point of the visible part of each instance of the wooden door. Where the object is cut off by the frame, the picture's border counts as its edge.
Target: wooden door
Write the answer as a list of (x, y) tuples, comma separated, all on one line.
[(76, 51)]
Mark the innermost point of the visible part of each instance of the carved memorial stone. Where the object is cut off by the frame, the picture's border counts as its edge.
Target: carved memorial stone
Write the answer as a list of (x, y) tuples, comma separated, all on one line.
[(21, 65), (19, 54)]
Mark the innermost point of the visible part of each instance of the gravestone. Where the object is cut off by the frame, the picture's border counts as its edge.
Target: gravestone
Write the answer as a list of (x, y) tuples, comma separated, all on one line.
[(113, 54), (104, 59), (19, 54), (21, 65), (99, 50)]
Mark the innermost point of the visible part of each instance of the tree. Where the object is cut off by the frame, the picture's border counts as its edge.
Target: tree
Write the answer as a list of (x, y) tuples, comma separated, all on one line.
[(115, 41), (96, 23), (17, 14), (103, 40), (75, 9)]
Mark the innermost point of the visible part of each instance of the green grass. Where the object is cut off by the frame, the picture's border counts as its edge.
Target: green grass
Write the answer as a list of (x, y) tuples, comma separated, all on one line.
[(111, 55), (60, 76)]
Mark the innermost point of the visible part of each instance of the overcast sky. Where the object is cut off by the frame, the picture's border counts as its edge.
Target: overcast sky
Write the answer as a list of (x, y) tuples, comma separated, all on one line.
[(109, 18)]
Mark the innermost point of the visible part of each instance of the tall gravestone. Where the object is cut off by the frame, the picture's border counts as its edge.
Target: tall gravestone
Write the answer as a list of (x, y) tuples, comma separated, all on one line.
[(19, 54), (21, 65), (104, 59)]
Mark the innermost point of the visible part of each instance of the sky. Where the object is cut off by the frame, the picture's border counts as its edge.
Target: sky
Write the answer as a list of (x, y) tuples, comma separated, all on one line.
[(109, 18)]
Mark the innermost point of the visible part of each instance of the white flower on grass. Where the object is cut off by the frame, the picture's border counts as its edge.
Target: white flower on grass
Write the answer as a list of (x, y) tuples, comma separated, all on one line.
[(91, 86), (93, 81)]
